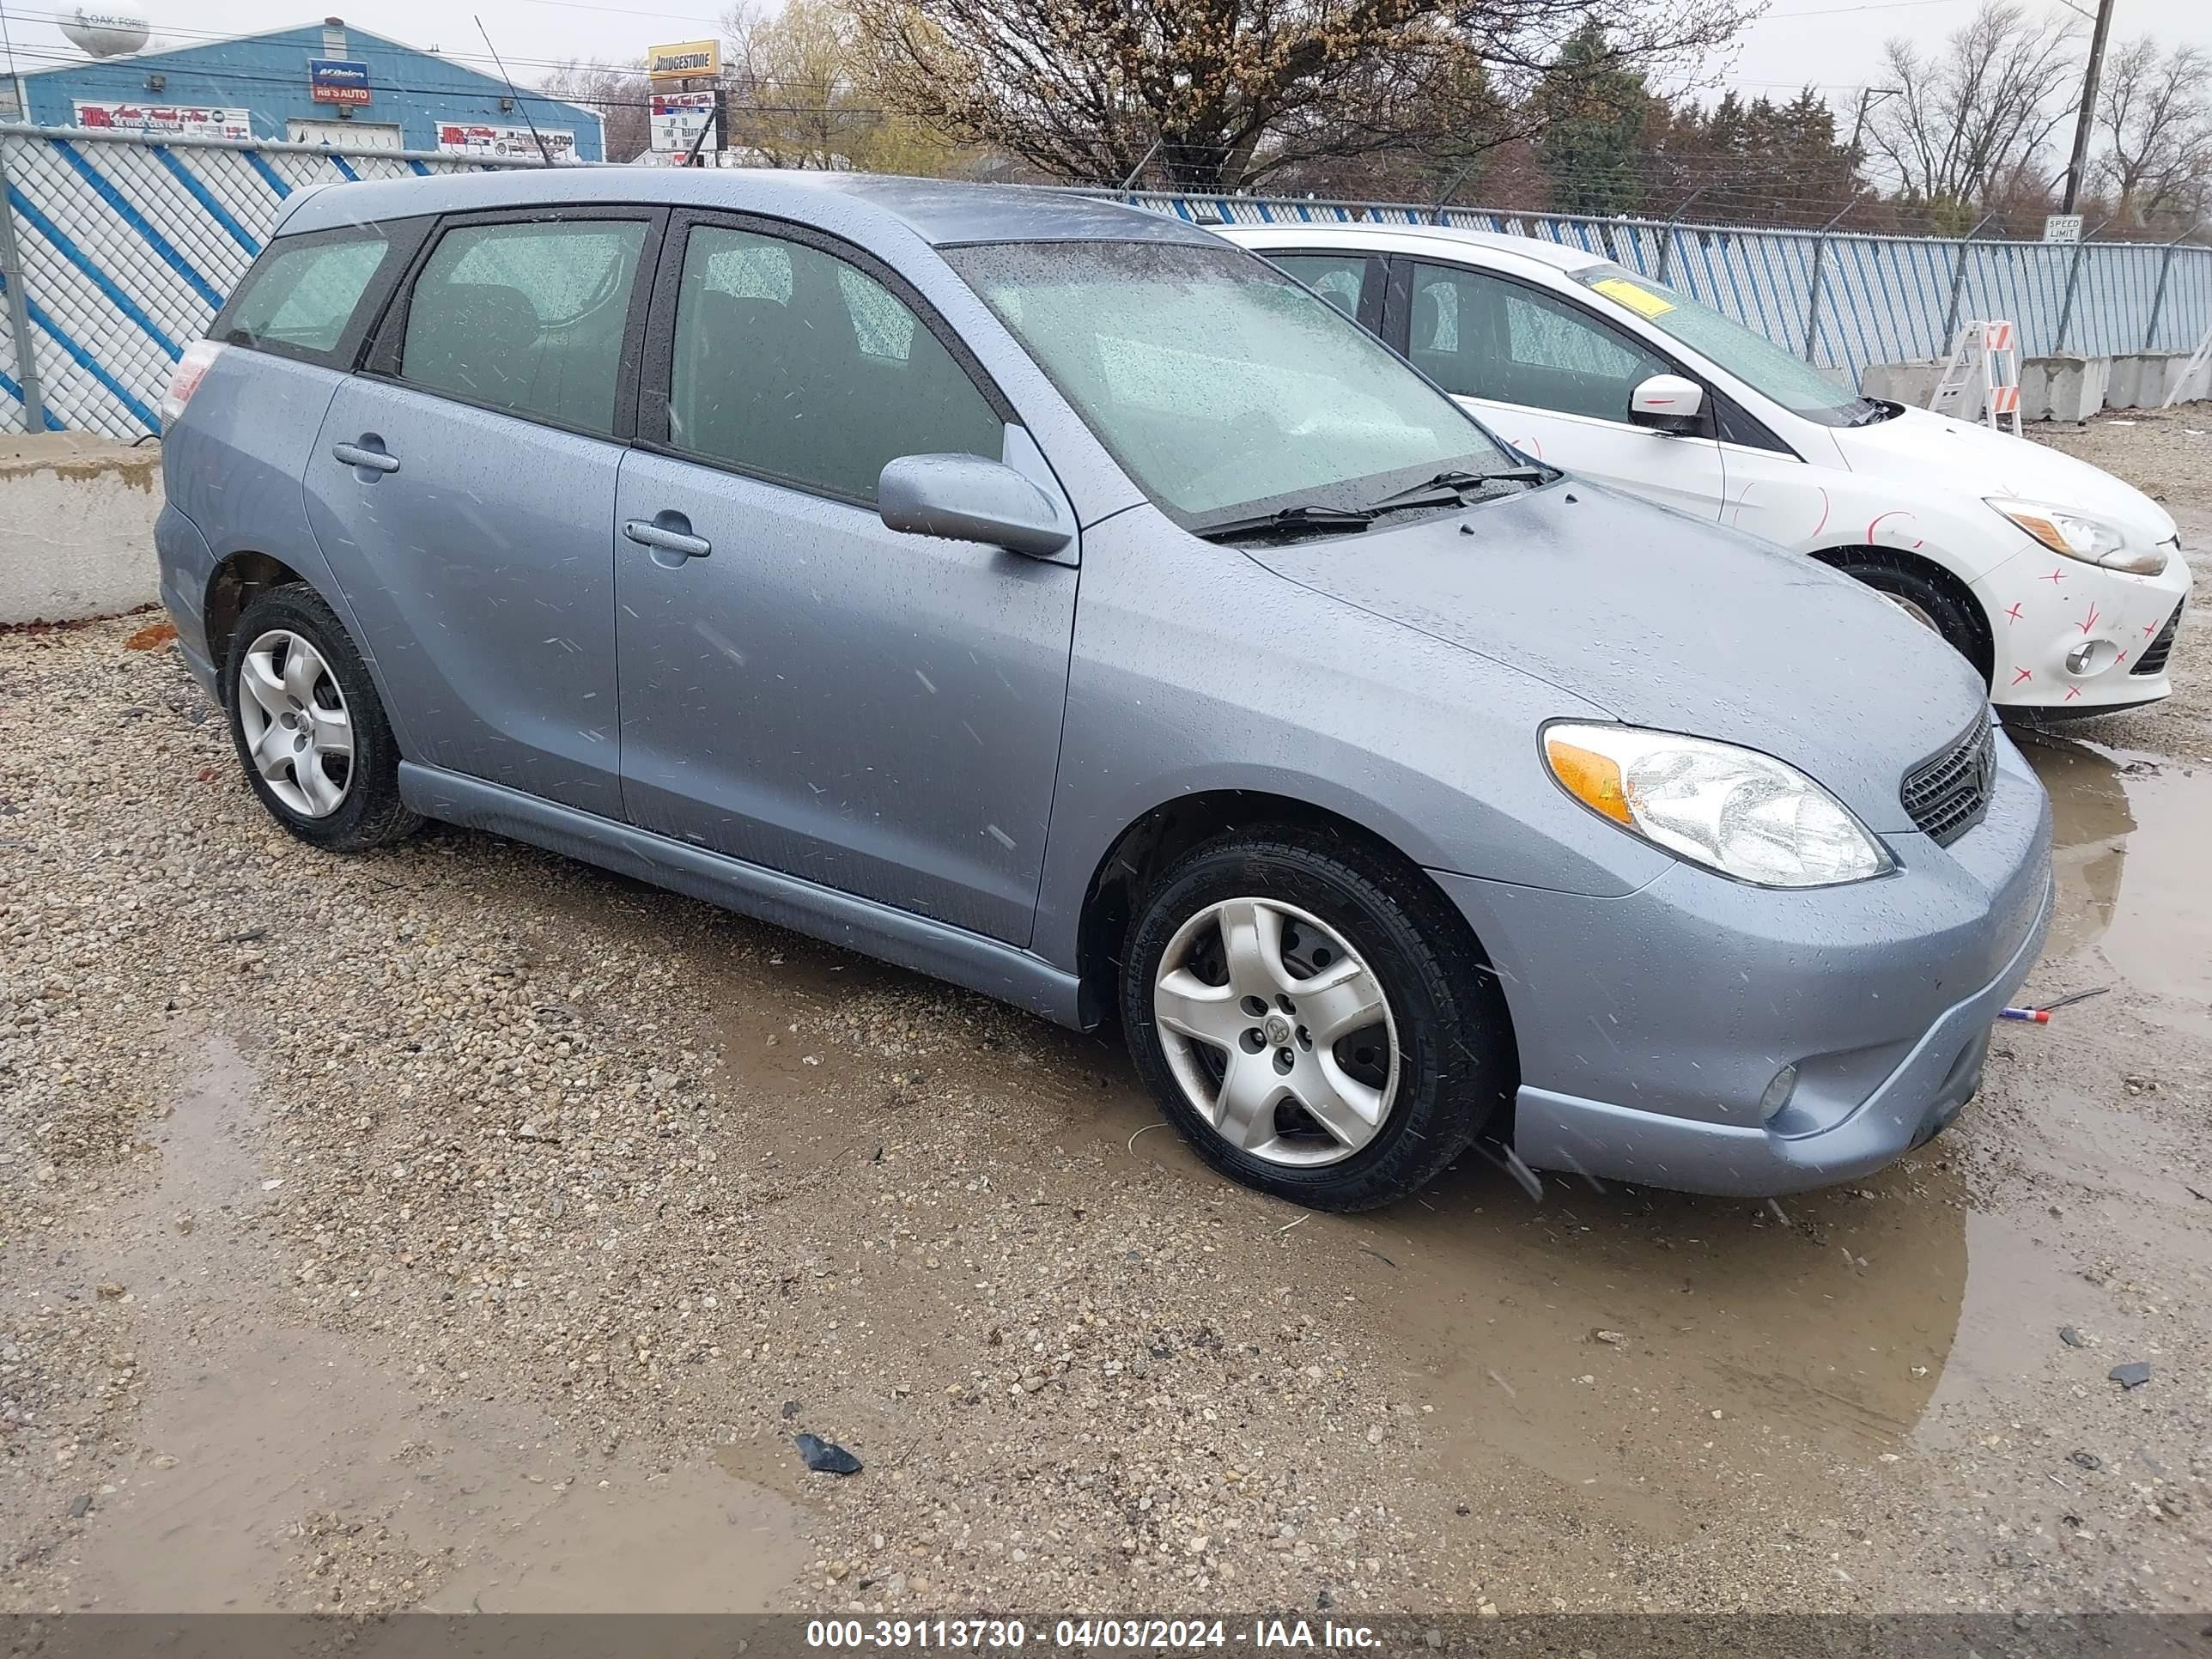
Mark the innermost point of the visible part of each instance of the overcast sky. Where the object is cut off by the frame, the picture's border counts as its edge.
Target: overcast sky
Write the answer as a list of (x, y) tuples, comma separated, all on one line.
[(1834, 45)]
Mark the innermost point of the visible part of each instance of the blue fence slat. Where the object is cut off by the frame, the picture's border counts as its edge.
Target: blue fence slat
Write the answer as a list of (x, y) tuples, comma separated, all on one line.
[(200, 193), (64, 245), (270, 176), (77, 352), (104, 187)]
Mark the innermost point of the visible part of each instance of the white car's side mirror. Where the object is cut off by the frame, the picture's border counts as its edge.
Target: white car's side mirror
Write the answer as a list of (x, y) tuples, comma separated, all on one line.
[(1668, 402)]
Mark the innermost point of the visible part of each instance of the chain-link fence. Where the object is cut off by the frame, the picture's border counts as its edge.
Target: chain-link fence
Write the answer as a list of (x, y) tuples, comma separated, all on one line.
[(116, 249)]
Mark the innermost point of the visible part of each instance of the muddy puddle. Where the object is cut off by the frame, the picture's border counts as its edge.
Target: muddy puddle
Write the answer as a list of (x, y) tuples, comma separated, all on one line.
[(284, 1468), (2130, 834), (1740, 1342)]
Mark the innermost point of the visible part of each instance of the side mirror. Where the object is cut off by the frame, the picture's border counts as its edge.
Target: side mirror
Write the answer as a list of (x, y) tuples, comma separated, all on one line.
[(965, 498), (1668, 402)]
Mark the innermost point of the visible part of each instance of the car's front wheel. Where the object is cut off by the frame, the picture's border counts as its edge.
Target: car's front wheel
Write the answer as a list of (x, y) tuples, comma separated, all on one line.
[(1314, 1018), (1928, 602), (309, 728)]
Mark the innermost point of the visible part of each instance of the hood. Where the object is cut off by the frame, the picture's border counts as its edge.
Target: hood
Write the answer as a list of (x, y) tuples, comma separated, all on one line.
[(1969, 457), (1669, 622)]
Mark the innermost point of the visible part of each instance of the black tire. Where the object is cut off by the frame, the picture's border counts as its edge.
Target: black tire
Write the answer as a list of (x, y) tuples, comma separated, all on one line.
[(1963, 628), (371, 814), (1456, 1065)]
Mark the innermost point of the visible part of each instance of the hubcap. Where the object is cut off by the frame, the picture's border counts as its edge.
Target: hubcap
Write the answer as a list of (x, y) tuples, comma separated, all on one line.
[(1277, 1033), (299, 734)]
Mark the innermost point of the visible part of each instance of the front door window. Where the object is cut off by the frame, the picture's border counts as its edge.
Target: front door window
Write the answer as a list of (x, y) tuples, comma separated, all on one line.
[(1480, 336)]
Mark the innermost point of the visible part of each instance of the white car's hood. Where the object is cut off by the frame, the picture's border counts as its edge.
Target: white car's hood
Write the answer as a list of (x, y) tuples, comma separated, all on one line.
[(1923, 445)]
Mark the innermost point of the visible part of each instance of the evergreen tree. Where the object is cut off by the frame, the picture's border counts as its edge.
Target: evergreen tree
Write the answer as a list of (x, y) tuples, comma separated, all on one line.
[(1592, 113)]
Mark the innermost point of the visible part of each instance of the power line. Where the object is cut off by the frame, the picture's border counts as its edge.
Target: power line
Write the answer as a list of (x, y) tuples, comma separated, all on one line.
[(247, 77), (1838, 11)]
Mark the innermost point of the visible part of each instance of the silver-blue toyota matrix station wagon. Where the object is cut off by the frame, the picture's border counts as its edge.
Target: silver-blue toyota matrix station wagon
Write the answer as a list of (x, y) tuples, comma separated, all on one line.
[(1049, 596)]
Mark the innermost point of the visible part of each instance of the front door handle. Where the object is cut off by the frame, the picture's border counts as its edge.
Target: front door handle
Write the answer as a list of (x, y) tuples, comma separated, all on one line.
[(668, 533), (377, 459)]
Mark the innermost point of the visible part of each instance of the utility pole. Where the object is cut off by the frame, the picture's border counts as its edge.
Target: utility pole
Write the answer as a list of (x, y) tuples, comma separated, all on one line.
[(2085, 122), (1869, 97)]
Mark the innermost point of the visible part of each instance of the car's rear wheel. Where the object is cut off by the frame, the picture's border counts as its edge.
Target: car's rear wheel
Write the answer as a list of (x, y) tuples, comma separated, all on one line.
[(1314, 1018), (309, 728), (1929, 603)]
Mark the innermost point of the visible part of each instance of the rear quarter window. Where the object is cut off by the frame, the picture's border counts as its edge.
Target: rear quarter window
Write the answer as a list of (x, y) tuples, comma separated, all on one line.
[(314, 297)]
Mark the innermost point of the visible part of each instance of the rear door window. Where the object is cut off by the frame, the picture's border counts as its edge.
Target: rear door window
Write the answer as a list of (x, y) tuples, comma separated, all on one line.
[(529, 317), (313, 296), (1347, 281), (792, 362)]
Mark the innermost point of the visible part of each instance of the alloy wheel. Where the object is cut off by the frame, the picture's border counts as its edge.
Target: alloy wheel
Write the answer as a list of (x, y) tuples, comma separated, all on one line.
[(1913, 610), (1278, 1034), (299, 734)]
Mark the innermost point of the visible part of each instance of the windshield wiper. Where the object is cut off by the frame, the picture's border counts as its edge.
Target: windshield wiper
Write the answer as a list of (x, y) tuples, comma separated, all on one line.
[(1877, 413), (1449, 489), (1291, 521)]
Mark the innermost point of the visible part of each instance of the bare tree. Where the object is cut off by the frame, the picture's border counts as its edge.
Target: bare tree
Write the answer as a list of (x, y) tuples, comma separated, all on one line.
[(802, 96), (1219, 94), (1978, 109), (2154, 115), (618, 92)]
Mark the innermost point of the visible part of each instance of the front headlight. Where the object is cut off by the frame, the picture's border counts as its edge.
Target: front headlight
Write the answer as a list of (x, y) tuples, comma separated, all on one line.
[(1736, 810), (2090, 540)]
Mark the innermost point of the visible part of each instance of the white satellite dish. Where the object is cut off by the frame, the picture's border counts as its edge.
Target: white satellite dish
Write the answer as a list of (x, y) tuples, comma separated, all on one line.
[(105, 34)]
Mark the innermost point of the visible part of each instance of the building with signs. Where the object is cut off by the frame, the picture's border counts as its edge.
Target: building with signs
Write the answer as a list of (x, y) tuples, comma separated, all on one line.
[(320, 83)]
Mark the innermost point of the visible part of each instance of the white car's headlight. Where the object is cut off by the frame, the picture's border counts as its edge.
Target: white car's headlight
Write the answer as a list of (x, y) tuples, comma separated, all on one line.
[(1736, 810), (2078, 537)]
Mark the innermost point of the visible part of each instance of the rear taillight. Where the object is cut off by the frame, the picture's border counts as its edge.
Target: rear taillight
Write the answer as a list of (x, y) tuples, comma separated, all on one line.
[(192, 368)]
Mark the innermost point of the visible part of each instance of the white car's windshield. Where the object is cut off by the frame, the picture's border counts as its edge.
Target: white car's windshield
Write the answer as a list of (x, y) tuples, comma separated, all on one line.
[(1752, 358), (1223, 386)]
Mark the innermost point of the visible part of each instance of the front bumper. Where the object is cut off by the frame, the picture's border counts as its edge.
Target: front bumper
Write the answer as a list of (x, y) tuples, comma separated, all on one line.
[(1650, 1026), (2042, 607)]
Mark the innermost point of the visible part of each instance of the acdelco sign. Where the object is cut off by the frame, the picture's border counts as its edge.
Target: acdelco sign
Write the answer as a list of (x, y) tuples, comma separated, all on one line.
[(684, 60)]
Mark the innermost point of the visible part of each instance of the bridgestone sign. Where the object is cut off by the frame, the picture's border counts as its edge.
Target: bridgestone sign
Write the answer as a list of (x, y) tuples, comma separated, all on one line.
[(685, 61)]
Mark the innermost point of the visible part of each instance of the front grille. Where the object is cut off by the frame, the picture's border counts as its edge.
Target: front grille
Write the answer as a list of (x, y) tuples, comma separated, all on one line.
[(2153, 660), (1946, 796)]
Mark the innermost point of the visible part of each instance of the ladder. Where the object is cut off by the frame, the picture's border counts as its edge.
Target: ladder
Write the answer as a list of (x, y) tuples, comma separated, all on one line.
[(2202, 356), (1971, 379)]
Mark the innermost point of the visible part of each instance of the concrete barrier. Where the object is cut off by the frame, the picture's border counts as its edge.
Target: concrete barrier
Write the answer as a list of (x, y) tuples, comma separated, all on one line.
[(2064, 388), (76, 526), (2056, 388), (1908, 383)]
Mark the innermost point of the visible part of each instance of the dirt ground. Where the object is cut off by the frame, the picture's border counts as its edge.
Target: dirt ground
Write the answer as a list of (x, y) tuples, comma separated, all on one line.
[(463, 1228)]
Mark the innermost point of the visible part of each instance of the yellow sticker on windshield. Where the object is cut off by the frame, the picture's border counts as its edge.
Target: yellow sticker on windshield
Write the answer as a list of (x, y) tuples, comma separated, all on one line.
[(1641, 301)]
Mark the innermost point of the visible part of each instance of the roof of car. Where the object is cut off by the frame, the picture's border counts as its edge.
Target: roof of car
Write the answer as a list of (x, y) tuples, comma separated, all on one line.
[(941, 212), (1367, 235)]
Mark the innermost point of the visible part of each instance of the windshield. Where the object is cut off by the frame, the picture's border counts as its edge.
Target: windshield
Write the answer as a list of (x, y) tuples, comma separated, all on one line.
[(1224, 388), (1766, 367)]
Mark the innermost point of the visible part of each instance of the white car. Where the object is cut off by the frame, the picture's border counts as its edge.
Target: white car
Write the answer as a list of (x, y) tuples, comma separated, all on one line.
[(2060, 583)]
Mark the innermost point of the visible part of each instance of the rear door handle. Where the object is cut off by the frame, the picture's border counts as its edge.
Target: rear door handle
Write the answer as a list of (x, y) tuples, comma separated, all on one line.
[(668, 533), (376, 460)]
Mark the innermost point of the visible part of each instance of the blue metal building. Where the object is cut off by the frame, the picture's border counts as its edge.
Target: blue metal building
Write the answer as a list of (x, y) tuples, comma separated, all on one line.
[(318, 84)]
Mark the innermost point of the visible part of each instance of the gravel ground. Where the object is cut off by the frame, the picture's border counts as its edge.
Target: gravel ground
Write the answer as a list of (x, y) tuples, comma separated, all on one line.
[(462, 1227)]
